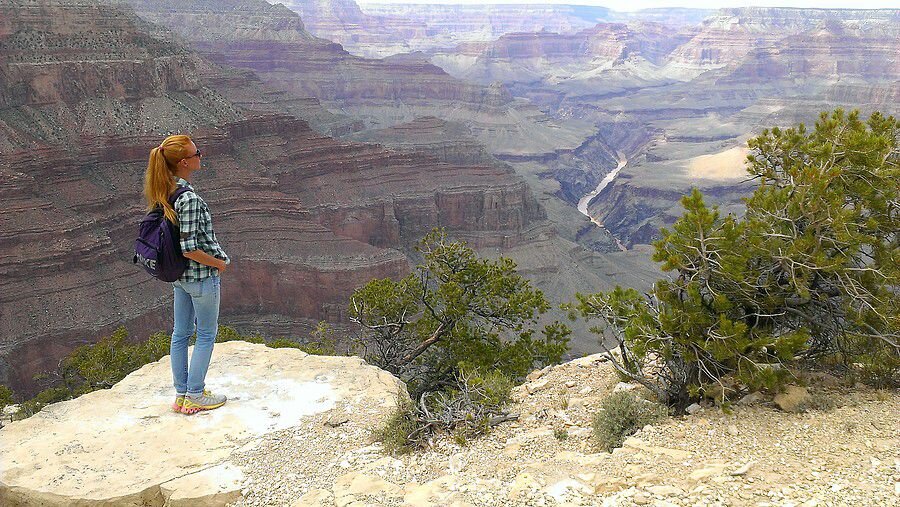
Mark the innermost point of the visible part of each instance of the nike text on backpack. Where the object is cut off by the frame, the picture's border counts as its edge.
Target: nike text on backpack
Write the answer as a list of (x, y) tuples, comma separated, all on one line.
[(157, 247)]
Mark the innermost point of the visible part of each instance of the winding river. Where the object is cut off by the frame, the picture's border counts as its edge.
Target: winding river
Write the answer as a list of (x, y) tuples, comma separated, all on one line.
[(584, 201)]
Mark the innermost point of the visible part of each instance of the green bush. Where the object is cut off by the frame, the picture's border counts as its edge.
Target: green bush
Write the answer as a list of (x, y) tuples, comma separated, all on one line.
[(6, 399), (42, 399), (321, 343), (456, 311), (102, 364), (230, 334), (621, 415), (561, 434), (398, 433)]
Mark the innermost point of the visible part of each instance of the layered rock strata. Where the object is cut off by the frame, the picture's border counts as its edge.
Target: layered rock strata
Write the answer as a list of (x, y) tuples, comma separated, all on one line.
[(385, 29), (379, 93), (306, 218), (450, 142), (673, 98)]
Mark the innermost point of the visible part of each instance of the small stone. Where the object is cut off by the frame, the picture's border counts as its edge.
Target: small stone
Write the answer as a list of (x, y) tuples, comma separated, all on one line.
[(624, 386), (585, 390), (536, 374), (693, 408), (335, 420), (742, 470), (534, 387), (641, 499), (665, 490), (752, 398), (792, 398), (732, 430), (708, 471), (571, 383)]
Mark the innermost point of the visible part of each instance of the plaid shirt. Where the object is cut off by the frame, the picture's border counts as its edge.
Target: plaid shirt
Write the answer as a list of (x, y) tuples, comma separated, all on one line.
[(195, 225)]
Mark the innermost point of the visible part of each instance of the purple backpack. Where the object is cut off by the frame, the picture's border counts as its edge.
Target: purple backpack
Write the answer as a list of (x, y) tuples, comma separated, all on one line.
[(157, 247)]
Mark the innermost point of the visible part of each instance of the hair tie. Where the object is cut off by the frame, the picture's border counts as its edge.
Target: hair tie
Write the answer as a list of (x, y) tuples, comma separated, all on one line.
[(160, 148)]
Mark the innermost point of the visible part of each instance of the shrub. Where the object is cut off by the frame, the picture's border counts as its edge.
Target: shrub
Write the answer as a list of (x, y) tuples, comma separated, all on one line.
[(811, 270), (42, 399), (561, 434), (6, 399), (229, 334), (322, 342), (456, 311), (622, 414), (398, 432), (102, 364), (820, 401), (468, 409)]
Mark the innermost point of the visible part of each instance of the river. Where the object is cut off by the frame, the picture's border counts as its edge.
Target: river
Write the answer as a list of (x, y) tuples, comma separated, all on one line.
[(583, 203)]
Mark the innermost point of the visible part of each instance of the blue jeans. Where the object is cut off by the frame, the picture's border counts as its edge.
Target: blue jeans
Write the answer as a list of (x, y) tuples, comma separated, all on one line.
[(195, 302)]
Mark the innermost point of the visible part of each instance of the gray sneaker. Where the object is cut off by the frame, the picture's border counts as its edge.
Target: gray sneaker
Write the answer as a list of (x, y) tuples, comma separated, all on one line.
[(194, 403)]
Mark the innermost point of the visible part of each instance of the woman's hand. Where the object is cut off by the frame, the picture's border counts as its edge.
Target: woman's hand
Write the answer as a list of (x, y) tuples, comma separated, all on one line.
[(206, 259)]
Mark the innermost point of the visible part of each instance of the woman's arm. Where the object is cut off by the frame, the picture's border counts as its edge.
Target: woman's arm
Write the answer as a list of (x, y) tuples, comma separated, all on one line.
[(206, 259)]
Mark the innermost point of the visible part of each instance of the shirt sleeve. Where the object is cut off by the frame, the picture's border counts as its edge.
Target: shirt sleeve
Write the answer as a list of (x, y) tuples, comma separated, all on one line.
[(188, 209)]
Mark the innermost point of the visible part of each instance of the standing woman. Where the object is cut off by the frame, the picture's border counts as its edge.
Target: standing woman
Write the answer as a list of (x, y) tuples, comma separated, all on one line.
[(197, 291)]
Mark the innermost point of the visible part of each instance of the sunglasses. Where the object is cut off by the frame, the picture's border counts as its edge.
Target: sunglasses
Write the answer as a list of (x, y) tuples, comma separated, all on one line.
[(198, 154)]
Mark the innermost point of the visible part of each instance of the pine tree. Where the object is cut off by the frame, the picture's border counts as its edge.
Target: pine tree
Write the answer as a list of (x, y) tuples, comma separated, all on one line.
[(455, 313)]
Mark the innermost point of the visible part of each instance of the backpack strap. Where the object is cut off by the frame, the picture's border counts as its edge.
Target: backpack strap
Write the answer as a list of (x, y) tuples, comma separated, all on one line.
[(176, 194)]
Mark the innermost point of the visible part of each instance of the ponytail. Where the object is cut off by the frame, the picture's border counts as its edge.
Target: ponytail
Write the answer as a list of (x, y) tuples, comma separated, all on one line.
[(159, 180)]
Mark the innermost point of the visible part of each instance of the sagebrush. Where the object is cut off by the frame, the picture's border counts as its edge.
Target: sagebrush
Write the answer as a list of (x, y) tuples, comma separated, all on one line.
[(621, 415)]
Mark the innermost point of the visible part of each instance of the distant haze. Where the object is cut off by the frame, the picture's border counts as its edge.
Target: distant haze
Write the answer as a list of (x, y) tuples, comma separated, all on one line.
[(632, 5)]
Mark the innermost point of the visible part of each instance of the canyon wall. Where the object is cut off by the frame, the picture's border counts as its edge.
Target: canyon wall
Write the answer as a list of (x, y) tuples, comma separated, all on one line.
[(307, 218)]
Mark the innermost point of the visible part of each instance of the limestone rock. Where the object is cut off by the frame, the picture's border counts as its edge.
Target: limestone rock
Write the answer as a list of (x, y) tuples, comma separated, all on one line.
[(536, 386), (636, 443), (125, 446), (792, 398), (625, 386), (752, 398)]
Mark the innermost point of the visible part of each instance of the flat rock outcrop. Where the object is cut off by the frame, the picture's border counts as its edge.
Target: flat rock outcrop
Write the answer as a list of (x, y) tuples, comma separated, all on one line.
[(125, 446)]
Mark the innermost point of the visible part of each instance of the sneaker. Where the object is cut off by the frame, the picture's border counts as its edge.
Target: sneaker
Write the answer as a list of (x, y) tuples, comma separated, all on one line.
[(206, 401), (179, 402)]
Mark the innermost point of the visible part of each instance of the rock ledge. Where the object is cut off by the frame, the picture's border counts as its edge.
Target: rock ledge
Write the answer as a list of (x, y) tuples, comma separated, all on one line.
[(124, 446)]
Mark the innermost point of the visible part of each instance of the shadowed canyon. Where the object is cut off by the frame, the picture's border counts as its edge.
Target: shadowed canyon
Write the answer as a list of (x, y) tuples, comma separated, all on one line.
[(336, 135)]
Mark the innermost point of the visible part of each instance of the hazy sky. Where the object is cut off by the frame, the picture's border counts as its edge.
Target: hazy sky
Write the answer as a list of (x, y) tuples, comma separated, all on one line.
[(630, 5)]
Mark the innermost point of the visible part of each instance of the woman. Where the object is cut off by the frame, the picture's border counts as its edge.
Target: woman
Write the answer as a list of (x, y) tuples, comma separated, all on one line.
[(197, 291)]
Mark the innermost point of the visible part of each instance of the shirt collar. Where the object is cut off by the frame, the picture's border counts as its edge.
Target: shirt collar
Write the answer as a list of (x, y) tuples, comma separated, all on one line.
[(181, 182)]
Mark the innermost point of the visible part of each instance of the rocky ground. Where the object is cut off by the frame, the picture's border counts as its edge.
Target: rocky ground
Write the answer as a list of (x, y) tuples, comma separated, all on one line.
[(848, 454)]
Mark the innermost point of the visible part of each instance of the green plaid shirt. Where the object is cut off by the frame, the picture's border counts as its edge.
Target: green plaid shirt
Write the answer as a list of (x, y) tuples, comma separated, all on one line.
[(195, 225)]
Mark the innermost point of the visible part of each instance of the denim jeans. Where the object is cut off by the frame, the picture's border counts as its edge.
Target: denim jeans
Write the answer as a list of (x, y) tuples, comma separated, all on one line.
[(195, 302)]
